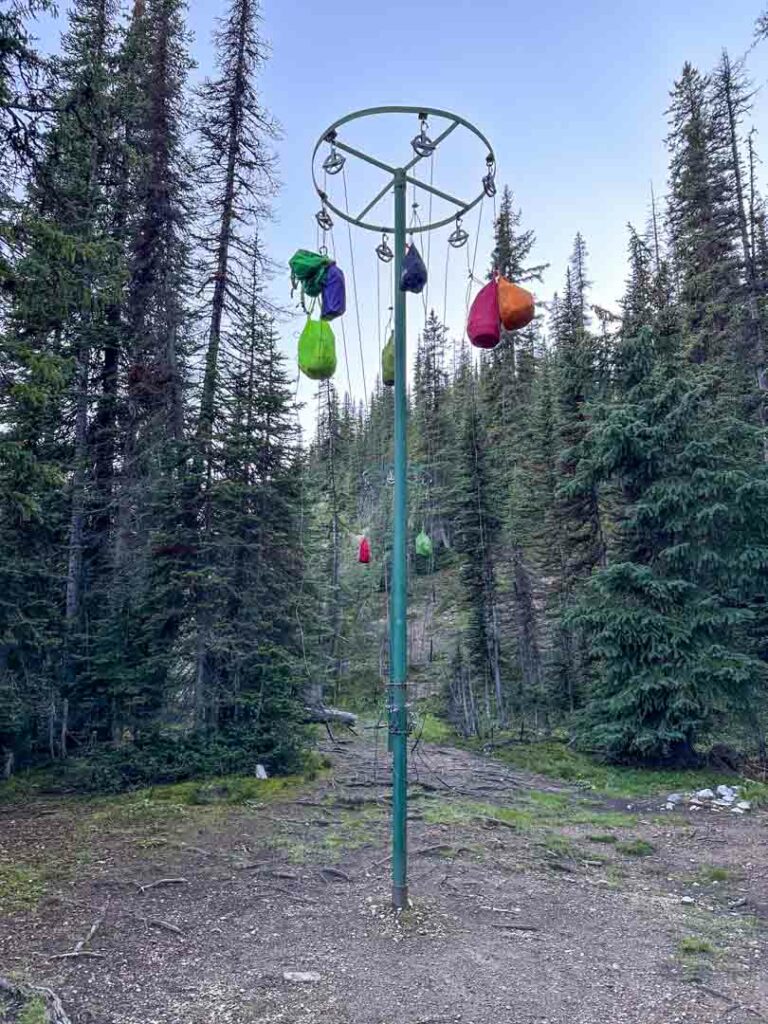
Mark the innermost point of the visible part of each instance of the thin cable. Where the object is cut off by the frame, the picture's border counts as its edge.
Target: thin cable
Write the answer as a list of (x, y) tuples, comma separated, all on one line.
[(429, 221), (354, 286), (343, 328)]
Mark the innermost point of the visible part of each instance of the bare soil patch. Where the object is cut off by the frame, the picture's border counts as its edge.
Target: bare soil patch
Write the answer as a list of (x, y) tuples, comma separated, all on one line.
[(533, 903)]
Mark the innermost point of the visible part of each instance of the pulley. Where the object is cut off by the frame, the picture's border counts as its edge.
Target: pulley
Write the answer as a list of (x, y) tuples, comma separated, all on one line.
[(334, 162), (422, 144), (323, 219), (384, 252), (458, 238)]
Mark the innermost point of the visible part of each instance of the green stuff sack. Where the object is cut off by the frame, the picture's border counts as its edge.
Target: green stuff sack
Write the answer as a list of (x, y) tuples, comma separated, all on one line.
[(308, 269), (317, 350), (388, 362), (423, 545)]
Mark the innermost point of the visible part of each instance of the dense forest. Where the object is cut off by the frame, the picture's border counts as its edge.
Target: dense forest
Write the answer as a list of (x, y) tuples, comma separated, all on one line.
[(178, 566)]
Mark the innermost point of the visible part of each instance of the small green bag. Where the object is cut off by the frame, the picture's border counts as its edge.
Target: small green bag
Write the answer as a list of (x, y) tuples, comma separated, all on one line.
[(317, 350), (308, 269), (388, 362), (423, 545)]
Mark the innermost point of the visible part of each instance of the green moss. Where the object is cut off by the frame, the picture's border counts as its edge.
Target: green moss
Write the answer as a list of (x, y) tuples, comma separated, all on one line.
[(636, 848), (21, 887), (604, 837)]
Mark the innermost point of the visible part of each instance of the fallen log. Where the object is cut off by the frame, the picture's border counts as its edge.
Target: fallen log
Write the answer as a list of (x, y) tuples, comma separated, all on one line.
[(320, 714)]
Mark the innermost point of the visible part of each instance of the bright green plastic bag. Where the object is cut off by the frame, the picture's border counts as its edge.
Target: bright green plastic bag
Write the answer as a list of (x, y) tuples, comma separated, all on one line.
[(423, 545), (308, 269), (388, 362), (317, 350)]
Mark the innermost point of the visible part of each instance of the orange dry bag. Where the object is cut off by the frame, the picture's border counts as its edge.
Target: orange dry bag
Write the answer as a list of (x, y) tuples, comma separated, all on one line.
[(516, 306)]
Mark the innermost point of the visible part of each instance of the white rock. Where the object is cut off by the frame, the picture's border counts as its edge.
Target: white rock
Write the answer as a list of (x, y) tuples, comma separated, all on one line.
[(301, 977), (705, 794), (669, 806), (738, 810), (261, 772), (687, 900), (743, 805), (675, 798), (726, 793)]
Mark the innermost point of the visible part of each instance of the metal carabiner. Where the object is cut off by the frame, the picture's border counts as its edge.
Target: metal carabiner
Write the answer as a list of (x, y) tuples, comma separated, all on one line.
[(323, 219), (458, 237), (489, 181), (384, 252), (422, 144), (334, 162)]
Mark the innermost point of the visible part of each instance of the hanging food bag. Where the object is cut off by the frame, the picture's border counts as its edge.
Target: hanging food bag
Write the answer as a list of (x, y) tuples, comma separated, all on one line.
[(414, 274), (317, 350), (308, 269), (388, 362), (516, 305), (334, 294), (364, 555), (423, 545), (483, 325)]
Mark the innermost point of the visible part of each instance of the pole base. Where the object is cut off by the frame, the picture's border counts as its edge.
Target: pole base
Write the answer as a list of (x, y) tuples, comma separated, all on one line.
[(399, 897)]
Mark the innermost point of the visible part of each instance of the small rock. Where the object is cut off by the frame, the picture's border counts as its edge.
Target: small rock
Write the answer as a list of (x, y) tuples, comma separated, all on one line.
[(743, 805), (688, 901), (705, 794), (261, 772), (726, 793), (301, 977), (669, 806), (675, 798), (738, 810)]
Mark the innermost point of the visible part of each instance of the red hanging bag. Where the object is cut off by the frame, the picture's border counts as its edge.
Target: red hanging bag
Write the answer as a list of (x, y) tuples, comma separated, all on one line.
[(365, 551), (483, 325)]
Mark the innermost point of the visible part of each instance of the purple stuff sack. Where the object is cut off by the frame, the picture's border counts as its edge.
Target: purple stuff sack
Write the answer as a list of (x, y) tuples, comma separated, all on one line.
[(414, 273), (483, 325), (334, 294)]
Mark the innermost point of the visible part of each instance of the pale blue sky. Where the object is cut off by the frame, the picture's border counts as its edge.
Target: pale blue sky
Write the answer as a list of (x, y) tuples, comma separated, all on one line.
[(572, 96)]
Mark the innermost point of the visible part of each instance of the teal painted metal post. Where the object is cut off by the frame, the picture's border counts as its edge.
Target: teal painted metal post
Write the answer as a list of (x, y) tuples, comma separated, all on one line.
[(398, 662)]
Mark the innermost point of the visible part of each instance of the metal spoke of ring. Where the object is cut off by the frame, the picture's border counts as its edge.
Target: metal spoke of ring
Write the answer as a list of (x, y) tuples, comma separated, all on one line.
[(423, 146)]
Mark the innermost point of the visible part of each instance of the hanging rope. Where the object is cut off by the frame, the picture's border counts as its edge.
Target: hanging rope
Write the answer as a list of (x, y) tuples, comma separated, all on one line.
[(343, 328), (354, 288)]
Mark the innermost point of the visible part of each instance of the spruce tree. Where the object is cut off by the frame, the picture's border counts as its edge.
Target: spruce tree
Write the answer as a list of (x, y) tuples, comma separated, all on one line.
[(668, 619)]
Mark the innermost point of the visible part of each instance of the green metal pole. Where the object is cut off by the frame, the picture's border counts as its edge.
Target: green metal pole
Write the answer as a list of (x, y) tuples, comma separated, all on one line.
[(398, 662)]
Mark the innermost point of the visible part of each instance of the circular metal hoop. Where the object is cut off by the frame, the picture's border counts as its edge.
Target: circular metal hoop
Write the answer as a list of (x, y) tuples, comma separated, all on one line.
[(329, 136)]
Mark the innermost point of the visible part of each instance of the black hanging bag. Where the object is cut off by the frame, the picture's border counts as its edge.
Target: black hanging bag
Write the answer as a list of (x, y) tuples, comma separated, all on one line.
[(414, 273)]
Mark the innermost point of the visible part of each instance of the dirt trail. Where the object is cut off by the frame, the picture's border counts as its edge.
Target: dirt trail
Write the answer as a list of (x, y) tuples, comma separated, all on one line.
[(532, 905)]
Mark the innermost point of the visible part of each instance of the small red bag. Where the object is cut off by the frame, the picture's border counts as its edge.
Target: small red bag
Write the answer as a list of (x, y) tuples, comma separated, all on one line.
[(365, 551), (483, 325)]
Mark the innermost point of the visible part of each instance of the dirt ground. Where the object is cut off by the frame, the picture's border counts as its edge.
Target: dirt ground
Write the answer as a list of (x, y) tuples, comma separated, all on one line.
[(532, 904)]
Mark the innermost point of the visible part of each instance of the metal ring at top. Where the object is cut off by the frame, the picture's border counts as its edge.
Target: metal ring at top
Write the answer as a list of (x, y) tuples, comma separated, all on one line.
[(330, 135)]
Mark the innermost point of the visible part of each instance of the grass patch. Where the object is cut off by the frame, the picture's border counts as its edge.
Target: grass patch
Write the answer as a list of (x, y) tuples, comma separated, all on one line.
[(21, 887), (636, 848), (435, 730), (604, 837), (692, 945), (713, 873), (557, 760), (34, 1012), (559, 846), (228, 789)]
